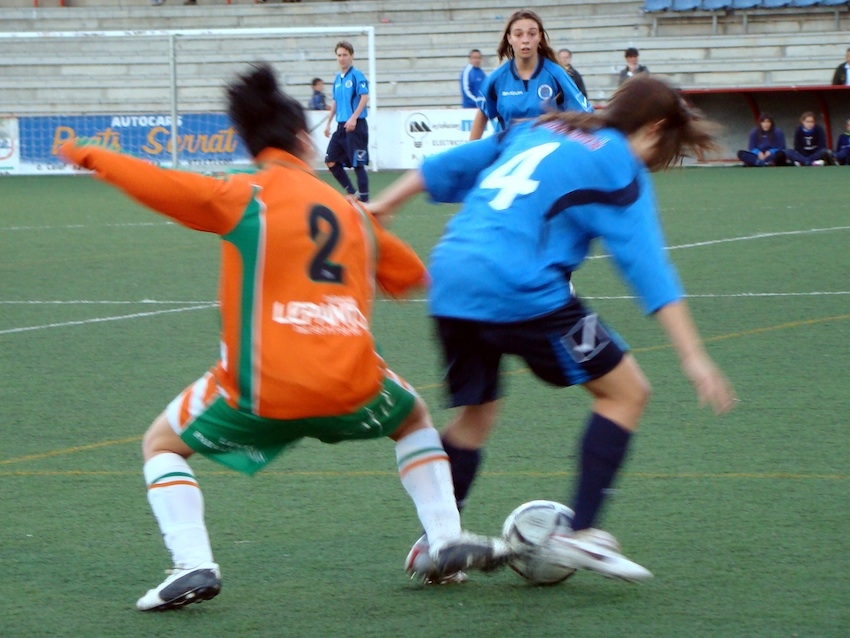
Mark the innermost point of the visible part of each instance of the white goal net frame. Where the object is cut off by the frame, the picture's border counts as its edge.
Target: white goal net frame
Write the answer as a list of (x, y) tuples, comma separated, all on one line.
[(162, 84)]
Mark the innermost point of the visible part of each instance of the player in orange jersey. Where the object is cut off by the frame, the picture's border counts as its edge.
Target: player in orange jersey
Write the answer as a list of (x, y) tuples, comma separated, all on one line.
[(299, 267)]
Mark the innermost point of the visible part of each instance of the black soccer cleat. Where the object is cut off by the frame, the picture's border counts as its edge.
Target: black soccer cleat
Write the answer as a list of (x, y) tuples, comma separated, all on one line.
[(183, 587)]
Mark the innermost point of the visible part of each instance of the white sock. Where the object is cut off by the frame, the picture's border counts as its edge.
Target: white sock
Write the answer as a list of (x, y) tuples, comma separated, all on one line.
[(426, 475), (178, 505)]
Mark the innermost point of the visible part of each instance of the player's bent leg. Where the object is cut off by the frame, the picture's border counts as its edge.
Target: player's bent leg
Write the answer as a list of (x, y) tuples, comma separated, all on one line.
[(463, 439), (177, 503), (444, 550), (471, 425), (160, 437), (622, 394)]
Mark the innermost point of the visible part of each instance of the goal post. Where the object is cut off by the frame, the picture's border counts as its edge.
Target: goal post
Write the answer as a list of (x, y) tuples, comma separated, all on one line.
[(159, 94)]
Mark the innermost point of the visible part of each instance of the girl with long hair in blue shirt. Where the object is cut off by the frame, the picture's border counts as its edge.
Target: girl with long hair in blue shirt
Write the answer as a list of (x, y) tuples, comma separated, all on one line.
[(533, 201), (530, 83)]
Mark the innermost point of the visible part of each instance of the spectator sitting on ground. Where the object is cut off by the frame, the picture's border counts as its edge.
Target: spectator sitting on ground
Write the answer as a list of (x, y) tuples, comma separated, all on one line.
[(842, 146), (810, 145), (766, 146), (841, 76)]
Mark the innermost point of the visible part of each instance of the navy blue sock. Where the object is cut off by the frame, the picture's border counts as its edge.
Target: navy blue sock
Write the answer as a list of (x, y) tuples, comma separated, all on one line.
[(603, 449), (362, 182), (464, 465), (338, 171)]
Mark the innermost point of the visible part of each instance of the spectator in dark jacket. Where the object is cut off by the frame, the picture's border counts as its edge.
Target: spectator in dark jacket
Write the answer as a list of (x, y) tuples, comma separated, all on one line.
[(633, 67), (318, 102), (842, 71), (565, 57), (766, 146), (810, 145), (842, 146)]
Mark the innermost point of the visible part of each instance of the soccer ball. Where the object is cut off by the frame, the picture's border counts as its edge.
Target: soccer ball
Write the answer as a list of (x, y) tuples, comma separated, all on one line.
[(528, 530)]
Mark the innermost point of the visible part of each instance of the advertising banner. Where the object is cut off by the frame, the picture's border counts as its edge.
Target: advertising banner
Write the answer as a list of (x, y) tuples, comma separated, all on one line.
[(406, 137), (207, 141), (204, 139), (9, 146)]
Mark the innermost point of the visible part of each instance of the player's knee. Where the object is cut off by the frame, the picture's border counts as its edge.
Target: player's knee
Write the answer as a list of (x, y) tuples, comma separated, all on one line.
[(160, 438), (472, 424), (418, 419)]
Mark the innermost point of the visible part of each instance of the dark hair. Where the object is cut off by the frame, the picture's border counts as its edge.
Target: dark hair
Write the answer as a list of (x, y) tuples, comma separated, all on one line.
[(345, 44), (316, 81), (505, 49), (630, 52), (474, 51), (565, 49), (769, 133), (809, 114), (648, 100), (264, 116)]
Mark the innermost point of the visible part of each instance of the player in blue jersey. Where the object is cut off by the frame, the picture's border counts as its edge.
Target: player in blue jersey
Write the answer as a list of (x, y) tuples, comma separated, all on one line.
[(530, 83), (349, 145), (534, 198), (470, 81)]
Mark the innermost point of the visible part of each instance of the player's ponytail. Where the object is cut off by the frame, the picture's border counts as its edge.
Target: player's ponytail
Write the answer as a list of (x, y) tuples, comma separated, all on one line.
[(265, 116), (643, 100)]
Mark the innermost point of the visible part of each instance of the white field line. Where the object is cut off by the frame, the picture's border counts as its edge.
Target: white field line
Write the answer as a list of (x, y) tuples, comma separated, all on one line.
[(213, 304), (136, 315), (727, 240)]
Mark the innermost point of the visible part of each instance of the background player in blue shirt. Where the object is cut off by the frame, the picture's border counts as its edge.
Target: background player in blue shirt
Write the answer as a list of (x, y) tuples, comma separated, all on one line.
[(470, 80), (349, 145), (534, 199), (530, 83)]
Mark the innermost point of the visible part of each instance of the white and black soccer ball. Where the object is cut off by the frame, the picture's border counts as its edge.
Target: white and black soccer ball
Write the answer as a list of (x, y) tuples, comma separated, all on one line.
[(527, 530)]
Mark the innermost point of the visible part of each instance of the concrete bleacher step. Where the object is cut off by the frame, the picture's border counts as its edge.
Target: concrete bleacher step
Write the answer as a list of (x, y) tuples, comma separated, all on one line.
[(421, 48)]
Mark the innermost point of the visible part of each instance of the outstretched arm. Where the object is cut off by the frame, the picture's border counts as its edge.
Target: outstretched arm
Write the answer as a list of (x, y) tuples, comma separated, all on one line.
[(396, 194), (711, 385), (197, 201), (479, 125)]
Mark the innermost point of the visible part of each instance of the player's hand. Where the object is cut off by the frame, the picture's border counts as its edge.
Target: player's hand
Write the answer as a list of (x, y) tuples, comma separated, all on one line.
[(72, 153), (383, 213), (711, 385)]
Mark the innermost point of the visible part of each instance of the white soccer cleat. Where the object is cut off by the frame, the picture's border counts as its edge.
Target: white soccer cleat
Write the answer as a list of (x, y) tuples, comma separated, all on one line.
[(448, 565), (470, 551), (419, 564), (183, 587), (597, 551)]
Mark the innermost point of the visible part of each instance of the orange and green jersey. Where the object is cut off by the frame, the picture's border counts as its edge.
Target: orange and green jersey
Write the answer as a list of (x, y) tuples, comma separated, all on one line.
[(299, 265)]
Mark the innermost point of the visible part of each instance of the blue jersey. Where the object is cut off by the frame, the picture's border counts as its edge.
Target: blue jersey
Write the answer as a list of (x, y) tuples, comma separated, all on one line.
[(507, 97), (761, 141), (534, 198), (348, 88), (471, 79)]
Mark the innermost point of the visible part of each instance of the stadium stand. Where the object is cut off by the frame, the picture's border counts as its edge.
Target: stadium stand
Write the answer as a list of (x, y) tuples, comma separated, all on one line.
[(420, 46)]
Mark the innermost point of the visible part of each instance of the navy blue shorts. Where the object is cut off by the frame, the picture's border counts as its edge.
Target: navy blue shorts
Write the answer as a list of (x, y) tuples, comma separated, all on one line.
[(349, 149), (570, 346)]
